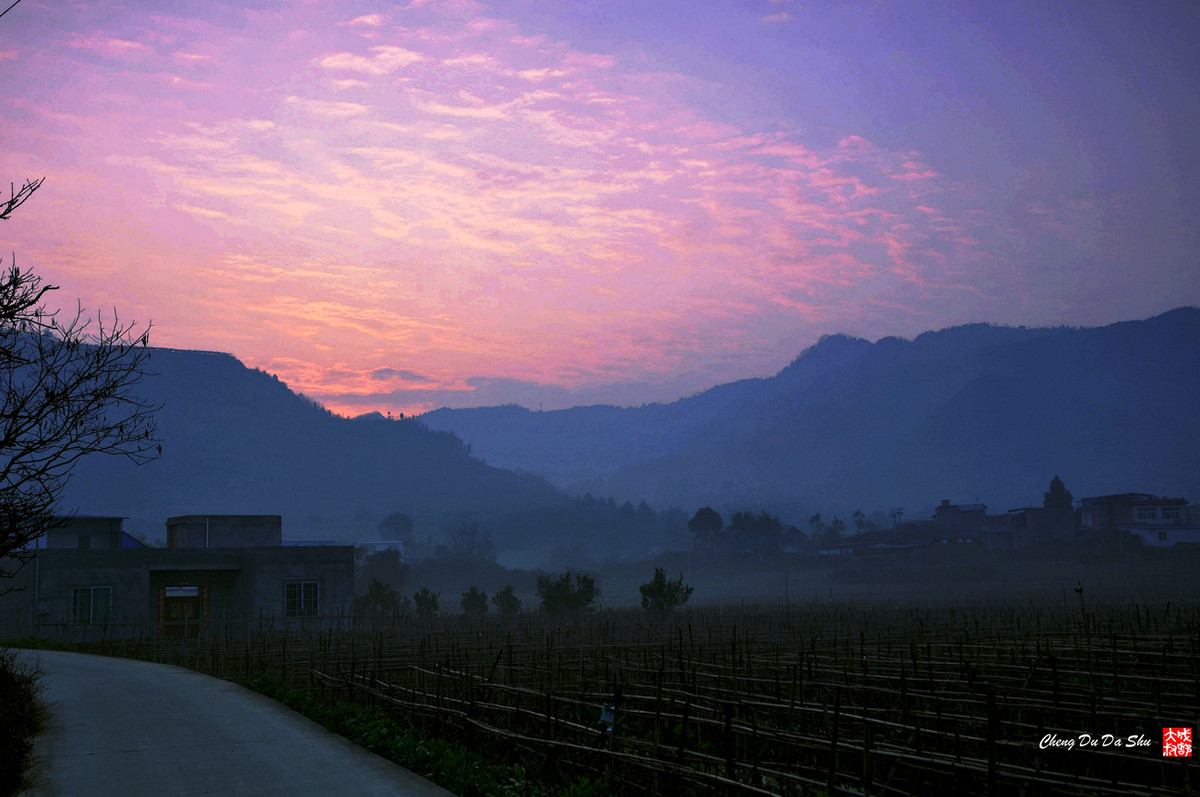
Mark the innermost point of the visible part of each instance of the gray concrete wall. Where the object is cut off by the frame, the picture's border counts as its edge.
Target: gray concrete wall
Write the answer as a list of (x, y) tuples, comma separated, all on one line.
[(268, 569), (242, 584), (86, 532), (59, 572)]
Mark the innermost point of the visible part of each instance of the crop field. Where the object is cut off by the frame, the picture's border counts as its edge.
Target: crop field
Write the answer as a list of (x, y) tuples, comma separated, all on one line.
[(813, 699)]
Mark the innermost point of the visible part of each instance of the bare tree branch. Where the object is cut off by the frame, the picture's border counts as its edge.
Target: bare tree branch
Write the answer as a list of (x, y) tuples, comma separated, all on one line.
[(18, 198), (67, 390)]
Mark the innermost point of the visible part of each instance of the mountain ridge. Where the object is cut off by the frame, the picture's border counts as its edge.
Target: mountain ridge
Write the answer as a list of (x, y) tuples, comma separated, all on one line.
[(237, 440), (894, 422), (970, 411)]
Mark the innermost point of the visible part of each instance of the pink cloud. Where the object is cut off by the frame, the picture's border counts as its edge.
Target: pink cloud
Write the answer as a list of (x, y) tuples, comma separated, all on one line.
[(329, 109), (384, 60), (180, 82), (593, 60), (541, 74), (424, 103), (192, 58), (368, 20), (110, 46), (468, 199), (856, 144)]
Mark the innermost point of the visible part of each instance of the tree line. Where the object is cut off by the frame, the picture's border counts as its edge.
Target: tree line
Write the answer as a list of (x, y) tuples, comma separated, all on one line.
[(564, 595)]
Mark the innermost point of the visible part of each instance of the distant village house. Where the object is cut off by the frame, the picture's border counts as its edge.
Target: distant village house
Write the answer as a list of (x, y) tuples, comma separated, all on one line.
[(1152, 520)]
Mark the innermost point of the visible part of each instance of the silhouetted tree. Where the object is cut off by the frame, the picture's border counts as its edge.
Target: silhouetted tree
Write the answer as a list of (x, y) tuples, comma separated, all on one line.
[(815, 527), (506, 602), (67, 390), (661, 594), (1058, 497), (705, 524), (474, 603), (468, 542), (426, 603), (837, 527), (560, 596), (1060, 506), (760, 533), (861, 524), (396, 526), (379, 600), (385, 567)]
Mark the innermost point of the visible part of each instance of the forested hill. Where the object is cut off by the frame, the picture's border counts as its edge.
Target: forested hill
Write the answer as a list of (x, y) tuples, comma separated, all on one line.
[(237, 440), (968, 412)]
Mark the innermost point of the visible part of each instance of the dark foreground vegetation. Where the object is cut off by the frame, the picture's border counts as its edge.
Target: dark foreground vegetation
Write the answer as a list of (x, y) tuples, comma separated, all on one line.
[(21, 719), (447, 763), (803, 699)]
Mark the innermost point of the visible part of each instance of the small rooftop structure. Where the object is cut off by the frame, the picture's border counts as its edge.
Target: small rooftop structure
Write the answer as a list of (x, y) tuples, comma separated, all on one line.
[(225, 531), (88, 531), (364, 550)]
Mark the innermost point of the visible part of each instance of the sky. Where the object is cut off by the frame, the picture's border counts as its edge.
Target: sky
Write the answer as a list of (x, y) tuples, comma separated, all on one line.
[(400, 206)]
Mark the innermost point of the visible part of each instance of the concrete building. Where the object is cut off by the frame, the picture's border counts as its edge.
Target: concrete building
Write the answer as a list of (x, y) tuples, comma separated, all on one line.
[(1035, 525), (971, 523), (1107, 515), (219, 574), (961, 518), (1153, 520)]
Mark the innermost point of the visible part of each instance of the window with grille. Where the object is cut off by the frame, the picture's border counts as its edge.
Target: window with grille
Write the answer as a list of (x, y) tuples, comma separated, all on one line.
[(90, 605), (301, 598)]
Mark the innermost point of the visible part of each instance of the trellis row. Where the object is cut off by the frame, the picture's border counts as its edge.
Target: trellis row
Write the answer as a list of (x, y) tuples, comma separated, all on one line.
[(837, 699)]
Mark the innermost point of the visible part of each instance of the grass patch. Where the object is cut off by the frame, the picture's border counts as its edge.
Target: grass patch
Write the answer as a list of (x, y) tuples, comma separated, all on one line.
[(447, 764), (22, 717), (38, 643)]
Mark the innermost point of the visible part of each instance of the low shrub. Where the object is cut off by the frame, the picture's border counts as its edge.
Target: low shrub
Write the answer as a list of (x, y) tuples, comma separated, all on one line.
[(22, 717)]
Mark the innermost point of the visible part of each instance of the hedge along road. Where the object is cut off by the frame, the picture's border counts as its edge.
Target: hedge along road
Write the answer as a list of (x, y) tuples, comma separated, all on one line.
[(124, 727)]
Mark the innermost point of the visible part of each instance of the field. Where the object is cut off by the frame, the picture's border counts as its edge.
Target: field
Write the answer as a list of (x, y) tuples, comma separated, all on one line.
[(809, 698)]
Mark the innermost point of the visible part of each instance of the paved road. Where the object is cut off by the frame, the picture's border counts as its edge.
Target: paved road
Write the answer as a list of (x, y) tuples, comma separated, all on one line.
[(121, 727)]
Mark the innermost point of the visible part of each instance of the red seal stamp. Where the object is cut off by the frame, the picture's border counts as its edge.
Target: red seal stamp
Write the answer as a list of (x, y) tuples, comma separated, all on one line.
[(1177, 742)]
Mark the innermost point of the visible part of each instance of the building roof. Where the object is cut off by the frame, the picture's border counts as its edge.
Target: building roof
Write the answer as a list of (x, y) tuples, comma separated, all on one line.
[(964, 507), (191, 518), (1130, 498)]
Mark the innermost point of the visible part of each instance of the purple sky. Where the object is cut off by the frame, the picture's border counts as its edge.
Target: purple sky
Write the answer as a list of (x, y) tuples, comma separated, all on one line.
[(405, 206)]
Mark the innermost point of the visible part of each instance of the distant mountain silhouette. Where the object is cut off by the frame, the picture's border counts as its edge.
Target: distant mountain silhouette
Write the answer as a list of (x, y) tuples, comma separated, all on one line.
[(968, 412), (237, 440)]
